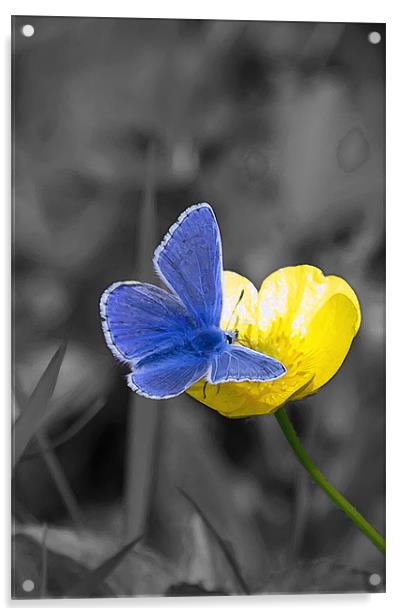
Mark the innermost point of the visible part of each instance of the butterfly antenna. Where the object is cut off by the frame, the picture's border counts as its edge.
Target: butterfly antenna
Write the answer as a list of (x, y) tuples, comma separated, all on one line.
[(235, 308)]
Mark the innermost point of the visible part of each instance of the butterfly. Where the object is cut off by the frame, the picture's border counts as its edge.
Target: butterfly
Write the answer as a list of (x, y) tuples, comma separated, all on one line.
[(172, 338)]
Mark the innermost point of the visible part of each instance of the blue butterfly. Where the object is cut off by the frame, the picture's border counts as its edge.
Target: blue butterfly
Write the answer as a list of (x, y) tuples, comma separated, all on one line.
[(173, 339)]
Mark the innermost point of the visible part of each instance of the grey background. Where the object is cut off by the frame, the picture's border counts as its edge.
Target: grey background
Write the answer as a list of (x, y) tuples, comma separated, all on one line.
[(280, 126)]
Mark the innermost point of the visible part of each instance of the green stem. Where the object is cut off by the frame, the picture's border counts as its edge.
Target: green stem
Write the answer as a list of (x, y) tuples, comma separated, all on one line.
[(319, 478)]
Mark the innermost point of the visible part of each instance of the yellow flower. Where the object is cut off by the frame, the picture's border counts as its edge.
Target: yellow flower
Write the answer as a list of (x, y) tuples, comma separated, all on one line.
[(299, 316)]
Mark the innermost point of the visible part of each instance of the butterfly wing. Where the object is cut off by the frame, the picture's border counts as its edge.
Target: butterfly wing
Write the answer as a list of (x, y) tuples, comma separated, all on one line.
[(167, 374), (237, 363), (139, 318), (189, 261)]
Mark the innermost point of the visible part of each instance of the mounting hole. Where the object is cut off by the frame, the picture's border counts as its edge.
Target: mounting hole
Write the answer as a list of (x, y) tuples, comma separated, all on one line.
[(28, 585), (374, 38), (374, 579), (28, 30)]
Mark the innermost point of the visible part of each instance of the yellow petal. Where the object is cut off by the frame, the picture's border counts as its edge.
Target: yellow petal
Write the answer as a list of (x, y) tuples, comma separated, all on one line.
[(339, 285), (245, 399), (239, 304), (287, 301), (309, 320), (330, 335), (229, 399), (290, 298)]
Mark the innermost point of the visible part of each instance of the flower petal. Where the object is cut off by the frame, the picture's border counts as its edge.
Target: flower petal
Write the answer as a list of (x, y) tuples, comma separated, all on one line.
[(287, 301), (308, 319), (245, 399), (330, 335), (339, 285), (290, 298), (239, 304)]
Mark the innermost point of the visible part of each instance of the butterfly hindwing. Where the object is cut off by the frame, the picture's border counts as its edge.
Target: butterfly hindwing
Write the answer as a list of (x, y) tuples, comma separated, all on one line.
[(167, 374), (237, 363), (189, 261), (138, 318)]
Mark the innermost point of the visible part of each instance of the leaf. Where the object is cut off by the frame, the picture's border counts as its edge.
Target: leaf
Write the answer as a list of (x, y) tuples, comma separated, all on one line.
[(225, 546), (31, 417), (85, 587)]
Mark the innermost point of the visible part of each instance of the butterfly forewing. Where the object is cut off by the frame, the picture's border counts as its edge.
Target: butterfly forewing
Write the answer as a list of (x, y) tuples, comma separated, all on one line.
[(140, 318), (189, 261)]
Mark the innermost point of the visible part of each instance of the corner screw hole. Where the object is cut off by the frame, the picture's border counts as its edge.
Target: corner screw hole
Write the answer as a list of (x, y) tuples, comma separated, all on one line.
[(28, 585), (374, 38), (374, 579), (28, 30)]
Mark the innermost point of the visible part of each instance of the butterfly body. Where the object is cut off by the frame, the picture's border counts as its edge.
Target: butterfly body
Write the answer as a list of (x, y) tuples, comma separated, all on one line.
[(201, 343), (207, 341), (171, 339)]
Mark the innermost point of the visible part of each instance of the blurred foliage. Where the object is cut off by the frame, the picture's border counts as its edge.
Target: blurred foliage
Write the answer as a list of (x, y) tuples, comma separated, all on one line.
[(280, 126)]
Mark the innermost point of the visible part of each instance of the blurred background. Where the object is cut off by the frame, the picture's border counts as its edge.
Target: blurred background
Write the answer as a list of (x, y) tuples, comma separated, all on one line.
[(119, 125)]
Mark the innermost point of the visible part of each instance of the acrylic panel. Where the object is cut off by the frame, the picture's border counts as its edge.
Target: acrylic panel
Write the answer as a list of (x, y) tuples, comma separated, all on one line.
[(198, 307)]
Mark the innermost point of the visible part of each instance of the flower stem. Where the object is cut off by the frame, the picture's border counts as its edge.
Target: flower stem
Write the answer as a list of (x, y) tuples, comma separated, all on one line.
[(319, 478)]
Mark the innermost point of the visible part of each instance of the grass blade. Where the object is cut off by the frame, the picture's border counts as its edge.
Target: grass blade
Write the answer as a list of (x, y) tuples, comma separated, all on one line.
[(86, 586), (71, 431), (30, 423), (57, 473), (43, 577), (223, 544), (31, 417), (143, 415)]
